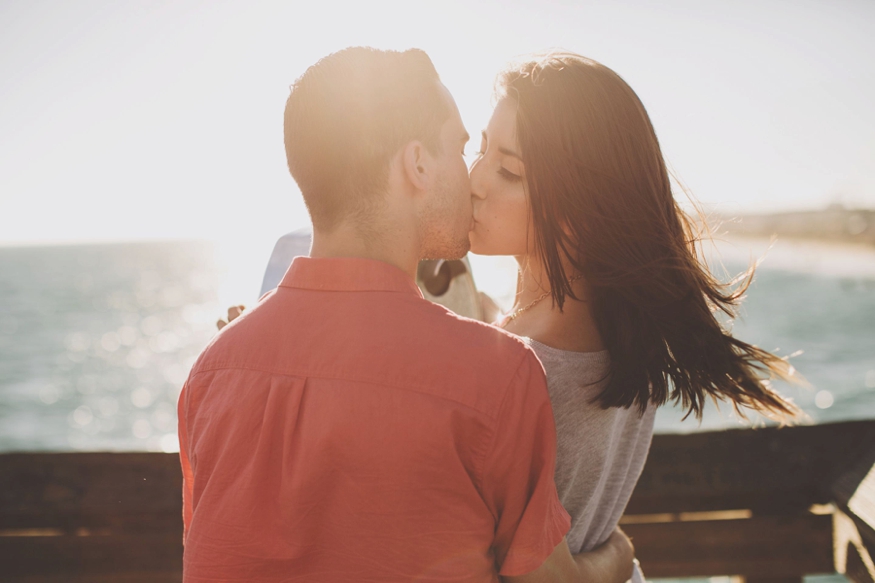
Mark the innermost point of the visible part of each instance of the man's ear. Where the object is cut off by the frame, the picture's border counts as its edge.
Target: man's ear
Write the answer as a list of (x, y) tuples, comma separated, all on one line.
[(416, 164)]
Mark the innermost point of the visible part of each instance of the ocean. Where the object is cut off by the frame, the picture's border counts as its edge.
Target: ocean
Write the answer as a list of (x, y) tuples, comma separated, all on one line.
[(96, 340)]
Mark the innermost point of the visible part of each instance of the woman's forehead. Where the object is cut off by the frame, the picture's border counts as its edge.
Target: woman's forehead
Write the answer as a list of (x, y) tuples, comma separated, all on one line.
[(502, 125)]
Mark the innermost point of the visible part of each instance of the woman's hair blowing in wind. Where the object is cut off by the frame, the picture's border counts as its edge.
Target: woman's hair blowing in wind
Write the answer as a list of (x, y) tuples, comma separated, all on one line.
[(601, 202)]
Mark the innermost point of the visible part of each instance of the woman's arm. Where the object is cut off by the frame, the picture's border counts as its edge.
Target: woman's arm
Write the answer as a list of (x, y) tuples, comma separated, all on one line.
[(609, 563)]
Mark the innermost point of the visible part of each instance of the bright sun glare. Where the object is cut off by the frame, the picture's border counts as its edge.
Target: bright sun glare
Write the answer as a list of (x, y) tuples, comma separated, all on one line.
[(164, 120)]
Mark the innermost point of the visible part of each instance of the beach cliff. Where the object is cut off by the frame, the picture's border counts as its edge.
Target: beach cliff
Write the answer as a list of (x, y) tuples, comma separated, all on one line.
[(835, 223)]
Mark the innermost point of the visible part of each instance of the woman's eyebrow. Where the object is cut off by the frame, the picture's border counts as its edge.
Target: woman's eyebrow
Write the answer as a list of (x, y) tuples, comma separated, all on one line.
[(504, 151), (510, 153)]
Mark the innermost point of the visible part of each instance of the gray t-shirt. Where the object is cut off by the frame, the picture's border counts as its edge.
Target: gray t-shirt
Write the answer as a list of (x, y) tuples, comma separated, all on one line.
[(599, 452)]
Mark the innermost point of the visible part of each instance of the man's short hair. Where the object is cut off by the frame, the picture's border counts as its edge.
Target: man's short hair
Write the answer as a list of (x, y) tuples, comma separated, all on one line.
[(345, 119)]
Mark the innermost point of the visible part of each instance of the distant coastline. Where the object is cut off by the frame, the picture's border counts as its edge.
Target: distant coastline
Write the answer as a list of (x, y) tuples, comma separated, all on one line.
[(835, 224)]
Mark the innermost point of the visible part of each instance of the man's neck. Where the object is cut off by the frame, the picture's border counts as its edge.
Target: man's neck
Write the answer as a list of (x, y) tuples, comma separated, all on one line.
[(399, 248)]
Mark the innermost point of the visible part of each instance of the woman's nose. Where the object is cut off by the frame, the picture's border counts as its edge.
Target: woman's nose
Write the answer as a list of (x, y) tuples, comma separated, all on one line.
[(475, 172)]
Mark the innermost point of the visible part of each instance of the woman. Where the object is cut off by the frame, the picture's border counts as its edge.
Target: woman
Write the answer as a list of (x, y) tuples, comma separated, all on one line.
[(611, 295)]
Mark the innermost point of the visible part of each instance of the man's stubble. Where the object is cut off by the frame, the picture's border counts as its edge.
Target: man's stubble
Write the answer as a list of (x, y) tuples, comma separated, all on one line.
[(445, 231)]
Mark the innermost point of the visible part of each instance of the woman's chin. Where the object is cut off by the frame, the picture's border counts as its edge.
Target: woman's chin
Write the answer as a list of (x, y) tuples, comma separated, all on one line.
[(477, 247), (483, 246), (485, 251)]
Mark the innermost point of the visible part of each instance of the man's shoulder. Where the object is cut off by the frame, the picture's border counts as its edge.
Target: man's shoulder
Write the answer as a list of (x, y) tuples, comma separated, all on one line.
[(485, 357), (465, 333), (235, 345), (405, 342)]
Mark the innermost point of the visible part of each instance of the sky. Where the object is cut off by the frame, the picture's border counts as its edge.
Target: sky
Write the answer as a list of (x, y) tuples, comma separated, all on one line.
[(163, 119)]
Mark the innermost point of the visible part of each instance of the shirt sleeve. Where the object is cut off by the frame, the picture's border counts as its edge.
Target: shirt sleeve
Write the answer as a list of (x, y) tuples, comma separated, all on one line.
[(518, 478), (187, 474)]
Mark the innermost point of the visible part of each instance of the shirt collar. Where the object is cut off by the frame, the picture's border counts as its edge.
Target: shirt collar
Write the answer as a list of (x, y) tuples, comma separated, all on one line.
[(347, 274)]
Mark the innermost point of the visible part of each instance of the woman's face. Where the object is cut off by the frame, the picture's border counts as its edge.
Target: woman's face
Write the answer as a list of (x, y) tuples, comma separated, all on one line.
[(501, 208)]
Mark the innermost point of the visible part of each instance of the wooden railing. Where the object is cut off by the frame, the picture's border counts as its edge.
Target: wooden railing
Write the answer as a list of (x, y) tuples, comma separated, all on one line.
[(767, 505)]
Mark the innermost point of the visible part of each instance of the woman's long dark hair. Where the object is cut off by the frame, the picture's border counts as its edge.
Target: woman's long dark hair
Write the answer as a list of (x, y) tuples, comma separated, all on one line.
[(600, 196)]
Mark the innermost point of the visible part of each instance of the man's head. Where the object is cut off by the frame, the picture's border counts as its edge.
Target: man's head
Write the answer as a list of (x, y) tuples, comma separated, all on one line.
[(365, 129)]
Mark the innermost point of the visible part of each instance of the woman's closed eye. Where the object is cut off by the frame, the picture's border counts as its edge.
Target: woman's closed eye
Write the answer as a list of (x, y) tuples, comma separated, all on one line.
[(508, 175)]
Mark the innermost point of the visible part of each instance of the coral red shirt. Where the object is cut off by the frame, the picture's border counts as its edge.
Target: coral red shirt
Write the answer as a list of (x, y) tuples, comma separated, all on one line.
[(346, 429)]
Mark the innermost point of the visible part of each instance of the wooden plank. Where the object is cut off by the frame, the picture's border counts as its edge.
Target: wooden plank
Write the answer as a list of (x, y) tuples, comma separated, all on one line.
[(72, 490), (854, 493), (851, 555), (117, 555), (858, 569), (769, 470), (762, 546), (767, 546), (867, 534), (145, 577)]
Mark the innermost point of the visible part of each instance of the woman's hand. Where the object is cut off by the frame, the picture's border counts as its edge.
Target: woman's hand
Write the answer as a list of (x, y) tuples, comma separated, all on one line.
[(624, 553), (610, 562), (233, 313)]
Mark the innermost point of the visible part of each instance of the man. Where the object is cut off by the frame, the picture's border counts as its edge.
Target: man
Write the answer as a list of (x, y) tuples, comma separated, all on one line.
[(345, 429)]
